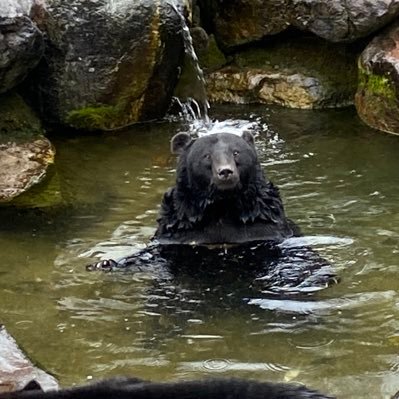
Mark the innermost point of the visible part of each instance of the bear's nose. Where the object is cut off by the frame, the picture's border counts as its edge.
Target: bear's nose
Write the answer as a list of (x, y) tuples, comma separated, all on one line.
[(225, 173)]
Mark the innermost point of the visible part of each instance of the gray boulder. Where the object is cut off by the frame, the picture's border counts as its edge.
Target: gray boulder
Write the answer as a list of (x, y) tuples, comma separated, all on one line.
[(21, 42), (342, 20), (108, 63), (242, 21)]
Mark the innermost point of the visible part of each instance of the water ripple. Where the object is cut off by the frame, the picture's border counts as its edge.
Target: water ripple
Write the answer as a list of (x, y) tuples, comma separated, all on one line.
[(325, 307)]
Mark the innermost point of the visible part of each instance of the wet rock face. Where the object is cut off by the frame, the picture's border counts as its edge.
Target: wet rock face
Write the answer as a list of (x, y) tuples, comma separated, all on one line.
[(238, 22), (342, 20), (377, 98), (108, 63), (21, 42), (241, 21), (17, 371)]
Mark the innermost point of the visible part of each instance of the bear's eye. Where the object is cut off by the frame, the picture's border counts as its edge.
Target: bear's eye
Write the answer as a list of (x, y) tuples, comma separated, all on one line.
[(236, 153), (207, 156)]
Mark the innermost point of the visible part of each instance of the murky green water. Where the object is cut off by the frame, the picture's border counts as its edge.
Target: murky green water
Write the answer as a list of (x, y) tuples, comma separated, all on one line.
[(339, 181)]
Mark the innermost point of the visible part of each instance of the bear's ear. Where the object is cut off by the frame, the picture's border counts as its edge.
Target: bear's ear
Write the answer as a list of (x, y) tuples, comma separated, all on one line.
[(247, 136), (179, 142)]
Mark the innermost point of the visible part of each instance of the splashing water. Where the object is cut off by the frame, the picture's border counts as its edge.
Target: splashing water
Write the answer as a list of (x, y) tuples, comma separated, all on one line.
[(191, 111), (195, 111), (197, 126)]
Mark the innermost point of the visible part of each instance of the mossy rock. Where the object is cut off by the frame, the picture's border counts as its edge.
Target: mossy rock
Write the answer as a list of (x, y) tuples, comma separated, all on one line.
[(106, 117), (17, 120), (46, 194), (377, 99), (113, 66), (212, 58)]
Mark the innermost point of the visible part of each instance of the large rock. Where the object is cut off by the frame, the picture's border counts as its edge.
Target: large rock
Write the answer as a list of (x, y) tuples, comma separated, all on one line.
[(242, 21), (17, 371), (25, 153), (21, 42), (342, 20), (108, 63), (377, 97), (301, 73)]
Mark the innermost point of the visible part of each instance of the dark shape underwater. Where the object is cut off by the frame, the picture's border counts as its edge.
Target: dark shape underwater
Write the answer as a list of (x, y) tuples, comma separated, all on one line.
[(271, 269)]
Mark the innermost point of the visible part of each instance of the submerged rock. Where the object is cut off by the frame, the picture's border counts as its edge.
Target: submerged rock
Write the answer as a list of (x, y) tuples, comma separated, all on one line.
[(300, 73), (108, 63), (239, 22), (21, 42), (25, 153), (377, 97)]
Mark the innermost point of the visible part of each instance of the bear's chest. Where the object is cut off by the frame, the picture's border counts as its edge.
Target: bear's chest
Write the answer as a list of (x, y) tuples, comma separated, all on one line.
[(225, 231)]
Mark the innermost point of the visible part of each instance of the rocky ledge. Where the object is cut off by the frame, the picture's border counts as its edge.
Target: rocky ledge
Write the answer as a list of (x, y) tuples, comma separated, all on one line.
[(25, 154)]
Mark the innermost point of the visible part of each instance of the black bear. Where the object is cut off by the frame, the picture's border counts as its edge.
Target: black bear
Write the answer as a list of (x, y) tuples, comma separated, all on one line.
[(132, 388), (222, 200), (221, 195)]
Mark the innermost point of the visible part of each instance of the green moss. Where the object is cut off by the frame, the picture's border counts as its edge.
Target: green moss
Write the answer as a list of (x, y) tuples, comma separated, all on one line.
[(95, 118), (376, 84), (17, 120), (213, 57), (43, 195)]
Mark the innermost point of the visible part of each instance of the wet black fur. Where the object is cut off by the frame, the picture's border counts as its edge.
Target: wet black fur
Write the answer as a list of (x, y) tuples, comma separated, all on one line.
[(132, 388), (206, 218), (189, 206)]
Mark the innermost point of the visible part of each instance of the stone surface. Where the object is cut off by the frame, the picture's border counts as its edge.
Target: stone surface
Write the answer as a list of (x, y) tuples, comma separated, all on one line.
[(342, 20), (21, 42), (25, 153), (239, 22), (107, 63), (16, 370), (301, 73), (377, 97)]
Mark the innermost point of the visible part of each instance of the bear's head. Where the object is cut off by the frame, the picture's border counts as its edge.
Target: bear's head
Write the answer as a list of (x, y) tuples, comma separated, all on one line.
[(222, 161)]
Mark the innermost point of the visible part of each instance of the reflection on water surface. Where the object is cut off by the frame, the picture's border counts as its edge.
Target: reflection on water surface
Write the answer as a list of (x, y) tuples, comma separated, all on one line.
[(339, 183)]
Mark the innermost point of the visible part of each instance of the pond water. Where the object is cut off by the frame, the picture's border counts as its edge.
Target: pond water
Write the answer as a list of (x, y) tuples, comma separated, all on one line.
[(339, 181)]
